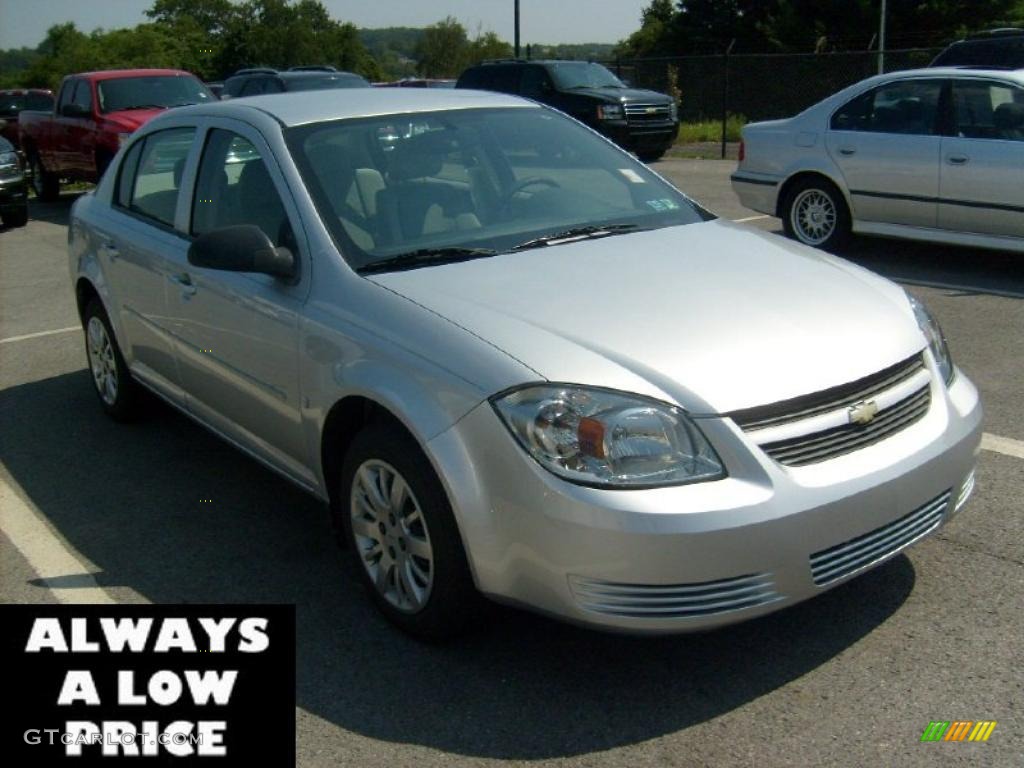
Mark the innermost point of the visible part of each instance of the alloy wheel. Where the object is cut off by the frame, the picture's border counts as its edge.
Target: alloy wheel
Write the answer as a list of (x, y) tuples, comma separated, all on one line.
[(391, 536), (813, 216), (102, 360)]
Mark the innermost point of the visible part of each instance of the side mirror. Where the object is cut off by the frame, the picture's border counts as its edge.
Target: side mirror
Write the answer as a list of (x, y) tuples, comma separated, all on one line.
[(75, 110), (241, 248)]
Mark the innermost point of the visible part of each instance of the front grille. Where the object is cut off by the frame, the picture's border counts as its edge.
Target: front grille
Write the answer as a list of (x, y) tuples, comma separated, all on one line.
[(838, 441), (647, 113), (777, 428), (800, 408), (842, 560), (674, 600)]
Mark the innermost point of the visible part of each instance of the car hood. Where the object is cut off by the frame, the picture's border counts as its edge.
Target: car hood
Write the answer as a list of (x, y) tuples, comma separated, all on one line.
[(131, 119), (626, 95), (713, 316)]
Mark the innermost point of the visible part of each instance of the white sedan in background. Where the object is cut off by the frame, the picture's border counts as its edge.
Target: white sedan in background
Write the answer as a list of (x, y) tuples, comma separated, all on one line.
[(929, 154)]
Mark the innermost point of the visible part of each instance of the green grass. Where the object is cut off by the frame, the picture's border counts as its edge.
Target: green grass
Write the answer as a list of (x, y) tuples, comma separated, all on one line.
[(711, 130)]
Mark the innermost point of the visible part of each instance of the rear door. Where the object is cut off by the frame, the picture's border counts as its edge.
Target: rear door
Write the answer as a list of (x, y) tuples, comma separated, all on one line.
[(886, 143), (79, 134), (982, 170), (140, 246)]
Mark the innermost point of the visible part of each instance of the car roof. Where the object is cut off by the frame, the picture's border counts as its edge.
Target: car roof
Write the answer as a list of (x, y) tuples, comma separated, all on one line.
[(934, 72), (304, 107)]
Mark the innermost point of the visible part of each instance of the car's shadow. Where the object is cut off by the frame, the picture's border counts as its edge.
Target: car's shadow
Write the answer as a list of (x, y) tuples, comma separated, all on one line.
[(130, 499), (56, 212)]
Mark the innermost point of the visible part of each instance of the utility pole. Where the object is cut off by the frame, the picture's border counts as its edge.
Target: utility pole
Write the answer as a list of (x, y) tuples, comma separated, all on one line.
[(882, 40), (517, 28)]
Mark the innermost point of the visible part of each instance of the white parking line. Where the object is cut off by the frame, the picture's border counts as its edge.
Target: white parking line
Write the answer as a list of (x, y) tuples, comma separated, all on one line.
[(752, 218), (40, 334), (55, 565), (1004, 445)]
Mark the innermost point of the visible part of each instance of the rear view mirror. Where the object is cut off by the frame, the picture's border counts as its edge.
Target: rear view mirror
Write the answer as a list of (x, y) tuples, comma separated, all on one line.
[(241, 248)]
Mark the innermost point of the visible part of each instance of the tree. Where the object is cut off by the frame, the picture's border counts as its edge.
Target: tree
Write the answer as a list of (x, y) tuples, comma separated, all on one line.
[(442, 51)]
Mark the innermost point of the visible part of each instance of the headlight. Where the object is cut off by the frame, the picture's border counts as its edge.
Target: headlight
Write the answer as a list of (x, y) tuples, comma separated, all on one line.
[(596, 437), (673, 111), (936, 339), (10, 165), (610, 112)]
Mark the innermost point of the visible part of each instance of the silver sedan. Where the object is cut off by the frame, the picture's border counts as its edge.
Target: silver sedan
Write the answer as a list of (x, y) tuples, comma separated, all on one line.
[(517, 363), (928, 154)]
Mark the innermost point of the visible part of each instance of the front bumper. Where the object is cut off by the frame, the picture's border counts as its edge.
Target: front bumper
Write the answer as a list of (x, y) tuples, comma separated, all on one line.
[(648, 137), (704, 555), (13, 193)]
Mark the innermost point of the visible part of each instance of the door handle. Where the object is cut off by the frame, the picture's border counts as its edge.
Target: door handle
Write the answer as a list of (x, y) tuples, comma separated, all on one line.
[(847, 151), (184, 282), (957, 159)]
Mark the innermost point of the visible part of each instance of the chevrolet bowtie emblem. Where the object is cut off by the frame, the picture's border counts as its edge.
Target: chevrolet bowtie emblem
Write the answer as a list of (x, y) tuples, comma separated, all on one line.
[(651, 110), (862, 412)]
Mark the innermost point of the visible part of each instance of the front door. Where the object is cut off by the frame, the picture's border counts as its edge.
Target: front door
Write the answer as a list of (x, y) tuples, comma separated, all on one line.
[(237, 333), (982, 170)]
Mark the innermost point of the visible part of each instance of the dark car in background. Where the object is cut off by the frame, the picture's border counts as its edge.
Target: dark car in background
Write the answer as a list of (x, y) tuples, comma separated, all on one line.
[(13, 186), (645, 122), (995, 49), (418, 82), (259, 80), (13, 101)]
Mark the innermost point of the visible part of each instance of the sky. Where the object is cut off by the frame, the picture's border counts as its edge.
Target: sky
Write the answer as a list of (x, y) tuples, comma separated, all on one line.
[(24, 22)]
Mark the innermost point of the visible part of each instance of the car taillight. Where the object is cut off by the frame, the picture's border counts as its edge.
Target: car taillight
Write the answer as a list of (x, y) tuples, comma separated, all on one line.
[(743, 151)]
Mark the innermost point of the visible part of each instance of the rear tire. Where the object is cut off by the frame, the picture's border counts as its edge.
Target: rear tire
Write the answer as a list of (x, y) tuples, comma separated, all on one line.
[(16, 218), (405, 543), (46, 185), (118, 392), (815, 214)]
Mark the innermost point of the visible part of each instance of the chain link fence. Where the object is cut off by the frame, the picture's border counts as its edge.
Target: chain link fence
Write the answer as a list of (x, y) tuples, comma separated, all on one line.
[(760, 86)]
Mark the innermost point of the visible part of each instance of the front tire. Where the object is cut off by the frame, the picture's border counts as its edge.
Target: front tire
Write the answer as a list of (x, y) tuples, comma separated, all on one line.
[(815, 214), (117, 390), (652, 155), (405, 542)]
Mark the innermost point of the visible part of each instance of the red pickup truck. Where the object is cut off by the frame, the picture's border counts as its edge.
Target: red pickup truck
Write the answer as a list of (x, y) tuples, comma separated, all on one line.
[(93, 114)]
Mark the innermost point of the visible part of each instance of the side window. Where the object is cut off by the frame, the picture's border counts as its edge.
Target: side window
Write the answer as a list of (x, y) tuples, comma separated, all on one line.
[(255, 86), (83, 95), (158, 174), (234, 187), (988, 110), (273, 85), (506, 78), (905, 106), (535, 83), (66, 91), (126, 175)]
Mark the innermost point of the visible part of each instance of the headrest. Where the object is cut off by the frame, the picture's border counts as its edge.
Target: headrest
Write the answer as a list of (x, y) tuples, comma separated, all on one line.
[(1008, 116), (418, 156)]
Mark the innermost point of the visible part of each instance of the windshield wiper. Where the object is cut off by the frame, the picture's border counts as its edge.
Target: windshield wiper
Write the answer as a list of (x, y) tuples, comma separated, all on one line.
[(425, 257), (591, 232)]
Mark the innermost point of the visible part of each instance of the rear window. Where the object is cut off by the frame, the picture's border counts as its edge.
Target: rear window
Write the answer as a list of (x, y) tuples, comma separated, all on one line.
[(492, 78), (12, 104), (325, 82)]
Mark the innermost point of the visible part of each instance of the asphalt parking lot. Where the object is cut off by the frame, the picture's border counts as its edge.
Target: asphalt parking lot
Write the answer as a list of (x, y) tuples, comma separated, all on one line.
[(95, 511)]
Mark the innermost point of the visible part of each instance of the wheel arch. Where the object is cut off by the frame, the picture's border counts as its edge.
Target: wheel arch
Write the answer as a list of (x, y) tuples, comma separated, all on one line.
[(803, 175)]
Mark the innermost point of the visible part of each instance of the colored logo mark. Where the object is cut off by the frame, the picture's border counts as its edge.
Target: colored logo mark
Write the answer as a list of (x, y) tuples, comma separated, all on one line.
[(958, 730)]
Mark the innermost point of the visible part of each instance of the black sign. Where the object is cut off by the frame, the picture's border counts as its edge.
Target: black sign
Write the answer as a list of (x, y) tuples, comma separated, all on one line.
[(149, 685)]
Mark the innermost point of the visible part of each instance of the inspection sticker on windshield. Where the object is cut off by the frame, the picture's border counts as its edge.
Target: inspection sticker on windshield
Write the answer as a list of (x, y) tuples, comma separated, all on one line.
[(632, 175), (664, 204)]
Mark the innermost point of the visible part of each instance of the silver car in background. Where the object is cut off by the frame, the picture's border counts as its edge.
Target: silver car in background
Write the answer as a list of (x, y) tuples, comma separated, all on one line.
[(515, 362), (930, 154)]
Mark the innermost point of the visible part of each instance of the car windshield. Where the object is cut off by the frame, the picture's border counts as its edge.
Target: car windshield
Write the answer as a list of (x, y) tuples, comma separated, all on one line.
[(12, 104), (326, 82), (475, 181), (151, 92), (583, 74)]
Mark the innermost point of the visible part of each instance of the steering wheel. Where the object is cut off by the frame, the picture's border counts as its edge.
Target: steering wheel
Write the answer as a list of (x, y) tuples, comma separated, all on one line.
[(522, 184)]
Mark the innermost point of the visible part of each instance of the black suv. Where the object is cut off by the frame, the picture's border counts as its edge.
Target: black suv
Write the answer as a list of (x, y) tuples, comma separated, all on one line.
[(253, 82), (645, 122), (998, 49)]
